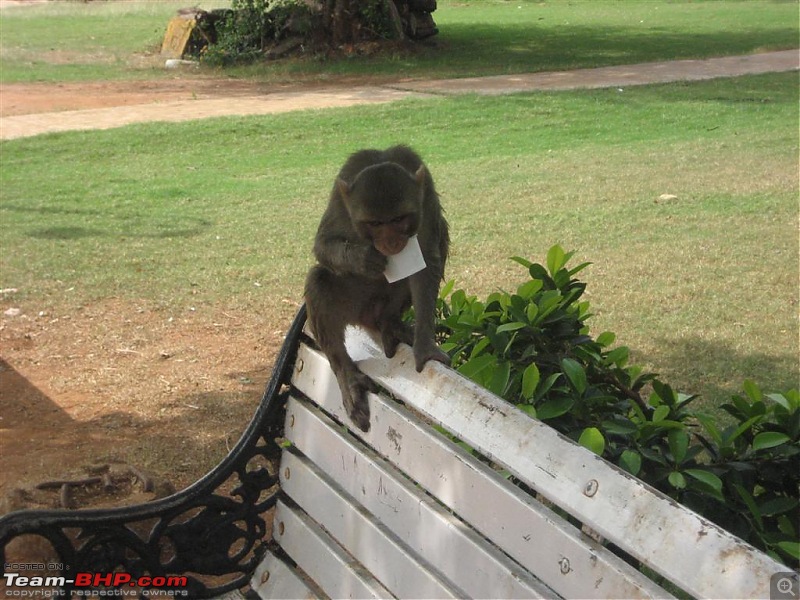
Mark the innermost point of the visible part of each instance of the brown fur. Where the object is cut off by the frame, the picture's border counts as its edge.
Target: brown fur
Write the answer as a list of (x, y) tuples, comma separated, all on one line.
[(379, 200)]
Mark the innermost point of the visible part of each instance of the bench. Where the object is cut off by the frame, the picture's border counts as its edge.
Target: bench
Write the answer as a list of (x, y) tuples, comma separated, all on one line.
[(453, 493)]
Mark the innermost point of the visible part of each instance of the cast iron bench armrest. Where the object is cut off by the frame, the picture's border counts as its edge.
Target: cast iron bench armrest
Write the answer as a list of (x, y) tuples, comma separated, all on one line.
[(213, 531)]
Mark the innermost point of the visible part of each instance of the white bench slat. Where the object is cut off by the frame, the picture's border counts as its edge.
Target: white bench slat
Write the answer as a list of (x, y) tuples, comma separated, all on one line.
[(522, 527), (461, 555), (359, 533), (273, 578), (693, 553), (338, 574)]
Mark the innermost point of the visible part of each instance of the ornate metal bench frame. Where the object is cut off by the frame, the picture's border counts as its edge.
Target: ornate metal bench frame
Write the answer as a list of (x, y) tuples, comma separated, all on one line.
[(215, 538)]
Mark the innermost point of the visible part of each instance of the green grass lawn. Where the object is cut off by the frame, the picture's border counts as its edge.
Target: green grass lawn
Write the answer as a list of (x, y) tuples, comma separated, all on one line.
[(702, 286), (67, 41)]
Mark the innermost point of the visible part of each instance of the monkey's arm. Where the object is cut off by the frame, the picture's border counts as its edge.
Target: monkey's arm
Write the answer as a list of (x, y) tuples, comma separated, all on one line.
[(424, 291), (346, 256)]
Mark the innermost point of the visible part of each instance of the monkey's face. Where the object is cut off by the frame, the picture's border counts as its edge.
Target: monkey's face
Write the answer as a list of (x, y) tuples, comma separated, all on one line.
[(389, 237), (384, 203)]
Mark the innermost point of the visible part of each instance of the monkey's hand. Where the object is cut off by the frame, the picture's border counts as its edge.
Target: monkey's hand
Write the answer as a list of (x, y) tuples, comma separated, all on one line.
[(425, 352), (366, 261)]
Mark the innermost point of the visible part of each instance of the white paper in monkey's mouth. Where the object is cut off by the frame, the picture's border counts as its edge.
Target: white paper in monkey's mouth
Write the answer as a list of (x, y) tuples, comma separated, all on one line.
[(406, 262)]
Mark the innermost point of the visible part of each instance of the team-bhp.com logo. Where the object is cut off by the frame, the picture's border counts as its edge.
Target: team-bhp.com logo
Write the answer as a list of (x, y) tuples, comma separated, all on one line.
[(95, 584)]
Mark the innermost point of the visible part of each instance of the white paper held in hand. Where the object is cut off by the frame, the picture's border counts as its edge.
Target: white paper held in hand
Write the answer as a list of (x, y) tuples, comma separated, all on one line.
[(406, 262)]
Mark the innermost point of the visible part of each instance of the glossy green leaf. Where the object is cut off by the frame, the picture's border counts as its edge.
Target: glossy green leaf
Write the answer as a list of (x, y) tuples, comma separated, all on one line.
[(741, 429), (530, 380), (593, 439), (532, 312), (777, 506), (791, 548), (606, 338), (654, 456), (742, 404), (769, 439), (510, 327), (499, 380), (548, 383), (528, 289), (476, 365), (751, 505), (555, 259), (781, 400), (620, 426), (548, 302), (678, 443), (579, 268), (706, 477), (677, 480), (447, 288), (752, 391), (523, 261), (786, 526), (575, 373), (664, 393), (480, 347), (651, 428), (631, 461), (554, 408), (618, 356), (537, 271), (661, 413)]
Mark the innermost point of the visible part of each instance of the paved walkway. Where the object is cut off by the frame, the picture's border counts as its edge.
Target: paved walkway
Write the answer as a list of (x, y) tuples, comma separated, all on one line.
[(619, 76)]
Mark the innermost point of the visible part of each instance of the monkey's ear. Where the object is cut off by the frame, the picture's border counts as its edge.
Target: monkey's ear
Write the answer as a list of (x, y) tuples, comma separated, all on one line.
[(420, 175), (343, 187)]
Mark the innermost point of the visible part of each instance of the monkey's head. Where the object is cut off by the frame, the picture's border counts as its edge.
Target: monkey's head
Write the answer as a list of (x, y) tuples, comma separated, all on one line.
[(384, 202)]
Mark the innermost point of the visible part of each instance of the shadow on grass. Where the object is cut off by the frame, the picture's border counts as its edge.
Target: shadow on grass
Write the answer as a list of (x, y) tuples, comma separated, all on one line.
[(716, 370), (65, 233), (74, 233), (116, 225), (477, 48)]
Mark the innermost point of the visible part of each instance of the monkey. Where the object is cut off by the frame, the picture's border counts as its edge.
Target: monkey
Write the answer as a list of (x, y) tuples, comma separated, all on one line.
[(380, 199)]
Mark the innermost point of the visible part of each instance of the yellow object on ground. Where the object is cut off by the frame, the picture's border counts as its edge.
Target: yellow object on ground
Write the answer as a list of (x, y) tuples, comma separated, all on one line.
[(179, 30)]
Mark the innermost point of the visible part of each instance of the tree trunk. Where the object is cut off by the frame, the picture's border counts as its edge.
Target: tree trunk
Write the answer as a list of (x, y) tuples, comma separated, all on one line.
[(342, 21)]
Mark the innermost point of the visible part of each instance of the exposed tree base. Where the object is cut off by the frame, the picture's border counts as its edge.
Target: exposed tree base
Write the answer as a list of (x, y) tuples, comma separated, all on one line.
[(254, 29)]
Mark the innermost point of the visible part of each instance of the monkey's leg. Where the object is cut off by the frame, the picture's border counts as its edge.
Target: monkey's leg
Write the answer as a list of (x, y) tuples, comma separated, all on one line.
[(331, 306), (390, 321), (424, 291)]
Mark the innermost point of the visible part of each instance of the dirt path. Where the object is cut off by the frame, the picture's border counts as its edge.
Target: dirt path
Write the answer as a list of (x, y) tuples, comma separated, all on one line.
[(32, 109)]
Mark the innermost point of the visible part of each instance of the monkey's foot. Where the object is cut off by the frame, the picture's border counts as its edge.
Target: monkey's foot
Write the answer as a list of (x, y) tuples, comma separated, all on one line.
[(354, 398), (432, 352), (392, 336)]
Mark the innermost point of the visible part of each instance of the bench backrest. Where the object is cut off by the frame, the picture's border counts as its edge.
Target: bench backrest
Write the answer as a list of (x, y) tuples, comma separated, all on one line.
[(407, 511)]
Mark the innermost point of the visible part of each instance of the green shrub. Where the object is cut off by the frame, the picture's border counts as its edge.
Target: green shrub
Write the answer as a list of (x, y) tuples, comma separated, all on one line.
[(533, 348), (241, 34), (250, 27)]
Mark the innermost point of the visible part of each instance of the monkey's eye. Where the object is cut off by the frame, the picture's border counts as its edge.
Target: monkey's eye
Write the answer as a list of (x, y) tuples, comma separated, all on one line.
[(374, 223), (399, 219)]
